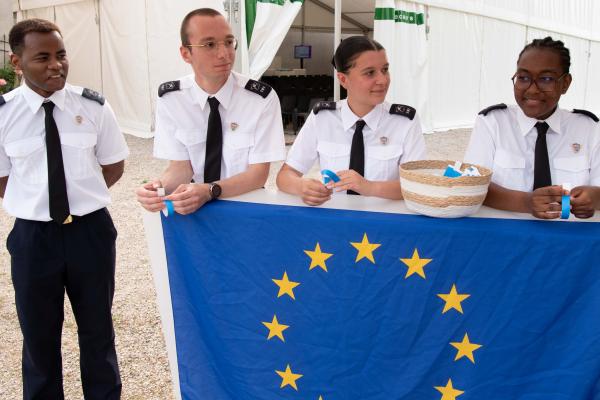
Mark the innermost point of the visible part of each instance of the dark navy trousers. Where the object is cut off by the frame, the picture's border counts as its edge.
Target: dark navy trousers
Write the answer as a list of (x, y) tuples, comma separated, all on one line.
[(48, 259)]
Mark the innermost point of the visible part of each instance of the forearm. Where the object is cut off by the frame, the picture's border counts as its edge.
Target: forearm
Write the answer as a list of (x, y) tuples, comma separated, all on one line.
[(385, 190), (177, 173), (289, 180), (253, 178), (113, 172), (501, 198)]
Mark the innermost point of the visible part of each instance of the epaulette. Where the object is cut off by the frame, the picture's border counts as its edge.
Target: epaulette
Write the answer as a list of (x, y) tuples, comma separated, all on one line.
[(587, 113), (259, 88), (2, 101), (324, 105), (167, 87), (93, 95), (485, 111), (405, 111)]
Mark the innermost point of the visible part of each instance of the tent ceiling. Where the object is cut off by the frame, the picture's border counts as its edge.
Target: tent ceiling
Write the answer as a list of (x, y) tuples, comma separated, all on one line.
[(358, 13)]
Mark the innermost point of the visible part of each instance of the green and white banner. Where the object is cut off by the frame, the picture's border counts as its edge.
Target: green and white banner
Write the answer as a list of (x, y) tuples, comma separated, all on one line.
[(267, 23), (400, 26)]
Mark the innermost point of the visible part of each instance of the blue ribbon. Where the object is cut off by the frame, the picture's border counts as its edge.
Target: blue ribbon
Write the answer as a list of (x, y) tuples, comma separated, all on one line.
[(170, 208), (566, 206), (329, 176)]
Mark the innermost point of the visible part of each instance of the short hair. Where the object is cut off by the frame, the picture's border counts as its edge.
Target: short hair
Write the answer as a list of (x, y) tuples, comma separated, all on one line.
[(16, 36), (556, 46), (350, 48), (200, 12)]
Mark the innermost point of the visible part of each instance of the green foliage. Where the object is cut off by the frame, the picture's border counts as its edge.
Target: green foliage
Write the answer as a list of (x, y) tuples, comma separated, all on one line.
[(8, 74)]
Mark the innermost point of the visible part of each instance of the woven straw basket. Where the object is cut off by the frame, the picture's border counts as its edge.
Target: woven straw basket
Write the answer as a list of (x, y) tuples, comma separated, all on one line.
[(426, 191)]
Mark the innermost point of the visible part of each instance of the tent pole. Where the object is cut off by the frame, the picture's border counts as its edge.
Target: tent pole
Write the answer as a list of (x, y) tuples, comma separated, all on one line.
[(337, 37)]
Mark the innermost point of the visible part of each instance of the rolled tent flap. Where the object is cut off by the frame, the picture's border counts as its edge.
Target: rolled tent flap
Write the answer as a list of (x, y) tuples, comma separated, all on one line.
[(267, 24)]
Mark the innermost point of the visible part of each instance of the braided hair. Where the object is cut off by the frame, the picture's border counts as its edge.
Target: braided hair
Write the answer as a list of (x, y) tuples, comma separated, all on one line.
[(556, 46)]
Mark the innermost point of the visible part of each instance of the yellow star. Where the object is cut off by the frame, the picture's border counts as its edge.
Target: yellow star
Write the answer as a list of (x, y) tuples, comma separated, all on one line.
[(415, 264), (365, 249), (288, 378), (275, 328), (448, 392), (317, 258), (453, 300), (286, 286), (465, 349), (320, 397)]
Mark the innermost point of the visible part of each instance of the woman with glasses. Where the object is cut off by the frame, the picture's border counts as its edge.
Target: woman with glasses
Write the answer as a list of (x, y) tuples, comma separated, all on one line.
[(535, 147), (362, 139)]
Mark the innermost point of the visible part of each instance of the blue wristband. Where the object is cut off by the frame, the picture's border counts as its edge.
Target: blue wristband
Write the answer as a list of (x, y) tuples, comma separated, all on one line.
[(170, 210), (566, 206), (328, 176)]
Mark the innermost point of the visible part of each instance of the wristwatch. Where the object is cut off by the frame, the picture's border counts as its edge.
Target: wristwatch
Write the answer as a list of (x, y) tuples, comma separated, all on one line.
[(214, 190)]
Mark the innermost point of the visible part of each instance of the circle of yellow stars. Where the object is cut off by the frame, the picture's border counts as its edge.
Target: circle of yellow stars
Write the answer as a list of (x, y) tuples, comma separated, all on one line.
[(415, 266)]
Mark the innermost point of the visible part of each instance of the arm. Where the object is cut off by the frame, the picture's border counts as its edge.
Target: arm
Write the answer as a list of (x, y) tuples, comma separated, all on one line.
[(112, 172), (189, 197), (3, 182), (312, 191), (544, 203), (176, 174), (352, 180)]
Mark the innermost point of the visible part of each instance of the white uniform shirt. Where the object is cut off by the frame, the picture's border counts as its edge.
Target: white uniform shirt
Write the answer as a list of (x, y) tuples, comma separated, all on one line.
[(252, 127), (504, 141), (389, 139), (89, 135)]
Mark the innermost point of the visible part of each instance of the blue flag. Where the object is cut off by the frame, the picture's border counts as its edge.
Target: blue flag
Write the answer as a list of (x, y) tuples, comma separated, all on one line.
[(278, 302)]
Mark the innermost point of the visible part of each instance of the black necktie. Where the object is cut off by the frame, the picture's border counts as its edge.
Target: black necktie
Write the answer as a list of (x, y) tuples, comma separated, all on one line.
[(57, 185), (357, 151), (541, 168), (214, 143)]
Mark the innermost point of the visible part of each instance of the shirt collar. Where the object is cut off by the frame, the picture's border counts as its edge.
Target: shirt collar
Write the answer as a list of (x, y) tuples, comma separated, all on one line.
[(349, 118), (223, 95), (526, 124), (34, 100)]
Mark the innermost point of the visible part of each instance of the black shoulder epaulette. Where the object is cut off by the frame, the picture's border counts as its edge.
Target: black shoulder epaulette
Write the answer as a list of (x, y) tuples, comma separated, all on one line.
[(485, 111), (2, 101), (324, 105), (405, 111), (167, 87), (259, 88), (587, 113), (93, 95)]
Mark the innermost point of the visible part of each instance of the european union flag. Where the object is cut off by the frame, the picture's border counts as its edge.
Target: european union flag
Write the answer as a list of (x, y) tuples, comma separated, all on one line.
[(277, 302)]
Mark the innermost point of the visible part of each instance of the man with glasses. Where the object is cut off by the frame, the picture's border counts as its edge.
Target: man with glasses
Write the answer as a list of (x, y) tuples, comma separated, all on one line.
[(535, 147), (219, 129)]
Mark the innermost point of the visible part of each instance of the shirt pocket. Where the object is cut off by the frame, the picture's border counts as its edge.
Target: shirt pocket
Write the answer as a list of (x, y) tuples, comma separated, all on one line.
[(79, 157), (509, 170), (28, 160), (573, 170), (195, 143), (236, 150), (382, 163), (333, 156)]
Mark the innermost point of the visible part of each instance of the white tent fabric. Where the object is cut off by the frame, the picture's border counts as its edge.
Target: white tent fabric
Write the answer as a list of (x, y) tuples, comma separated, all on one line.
[(123, 49), (273, 20), (472, 48), (405, 42)]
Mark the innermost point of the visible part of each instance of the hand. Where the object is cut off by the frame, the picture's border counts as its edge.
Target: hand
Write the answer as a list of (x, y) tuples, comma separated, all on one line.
[(351, 180), (314, 193), (582, 201), (148, 197), (545, 202), (189, 197)]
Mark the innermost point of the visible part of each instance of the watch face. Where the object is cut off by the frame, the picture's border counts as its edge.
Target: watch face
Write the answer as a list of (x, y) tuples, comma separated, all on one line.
[(215, 190)]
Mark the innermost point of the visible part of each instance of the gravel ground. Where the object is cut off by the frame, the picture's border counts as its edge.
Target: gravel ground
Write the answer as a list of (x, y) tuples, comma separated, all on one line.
[(140, 344)]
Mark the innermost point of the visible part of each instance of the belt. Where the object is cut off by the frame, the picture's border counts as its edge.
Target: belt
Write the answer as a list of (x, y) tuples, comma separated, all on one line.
[(71, 218)]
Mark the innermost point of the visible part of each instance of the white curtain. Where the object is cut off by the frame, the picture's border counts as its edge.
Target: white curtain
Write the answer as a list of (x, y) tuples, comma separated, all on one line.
[(400, 27), (272, 21)]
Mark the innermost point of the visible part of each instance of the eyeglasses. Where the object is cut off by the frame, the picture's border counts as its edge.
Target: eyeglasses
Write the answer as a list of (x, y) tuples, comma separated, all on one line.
[(213, 46), (543, 83)]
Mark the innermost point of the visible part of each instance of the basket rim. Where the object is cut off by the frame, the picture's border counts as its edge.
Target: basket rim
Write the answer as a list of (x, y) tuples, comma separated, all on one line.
[(410, 170)]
